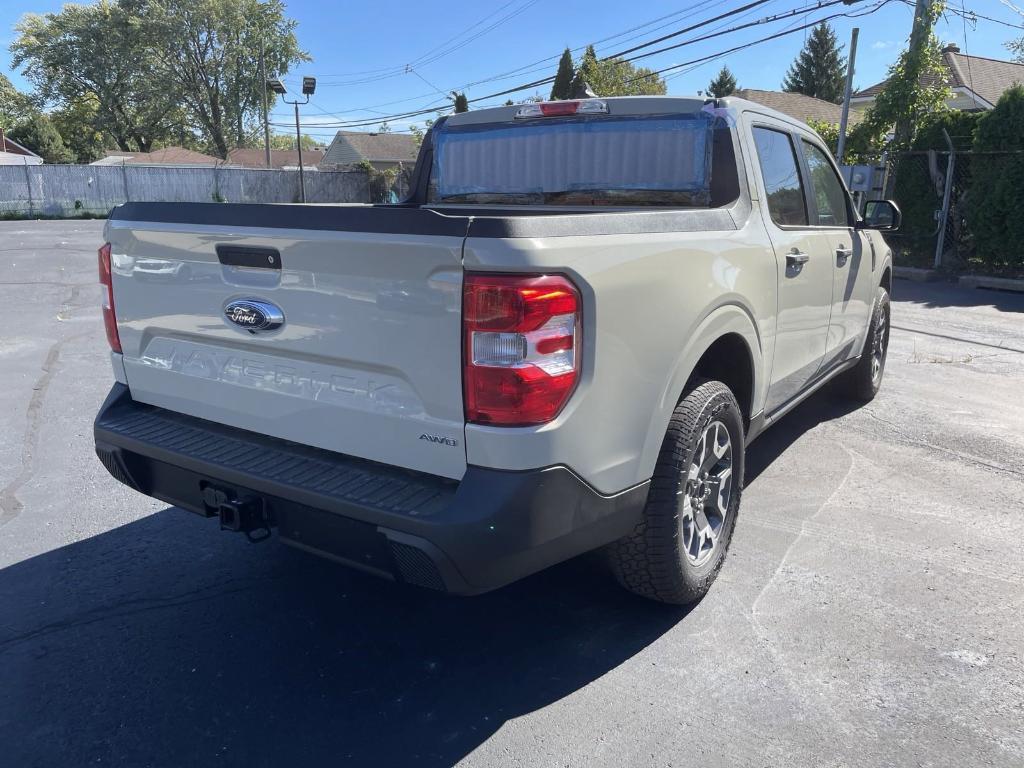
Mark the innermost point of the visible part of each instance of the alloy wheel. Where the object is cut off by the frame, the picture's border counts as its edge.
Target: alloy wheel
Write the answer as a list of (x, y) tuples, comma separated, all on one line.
[(706, 492)]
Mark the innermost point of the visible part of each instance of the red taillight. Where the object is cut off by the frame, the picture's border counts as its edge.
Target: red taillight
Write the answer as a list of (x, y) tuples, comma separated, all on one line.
[(109, 317), (521, 347)]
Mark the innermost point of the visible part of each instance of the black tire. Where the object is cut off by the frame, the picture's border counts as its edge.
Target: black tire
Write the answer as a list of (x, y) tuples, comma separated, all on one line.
[(863, 381), (653, 561)]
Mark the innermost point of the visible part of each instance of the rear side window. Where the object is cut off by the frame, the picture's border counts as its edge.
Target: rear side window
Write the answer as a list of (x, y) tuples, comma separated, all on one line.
[(780, 171), (829, 195)]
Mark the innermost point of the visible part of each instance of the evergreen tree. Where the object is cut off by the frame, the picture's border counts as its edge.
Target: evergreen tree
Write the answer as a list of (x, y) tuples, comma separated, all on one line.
[(562, 87), (461, 102), (820, 69), (724, 84)]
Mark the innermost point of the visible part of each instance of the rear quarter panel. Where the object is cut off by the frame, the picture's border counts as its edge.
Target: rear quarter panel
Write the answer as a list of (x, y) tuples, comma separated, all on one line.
[(652, 304)]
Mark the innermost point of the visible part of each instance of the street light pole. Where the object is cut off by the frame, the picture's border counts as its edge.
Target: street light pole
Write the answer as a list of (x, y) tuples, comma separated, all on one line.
[(308, 88), (298, 143)]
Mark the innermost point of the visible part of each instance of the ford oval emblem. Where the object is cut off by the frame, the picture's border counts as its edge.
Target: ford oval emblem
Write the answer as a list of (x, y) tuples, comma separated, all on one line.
[(254, 315)]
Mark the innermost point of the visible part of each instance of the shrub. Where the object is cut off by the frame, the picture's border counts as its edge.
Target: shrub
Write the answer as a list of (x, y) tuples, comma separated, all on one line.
[(996, 207), (960, 126), (917, 194)]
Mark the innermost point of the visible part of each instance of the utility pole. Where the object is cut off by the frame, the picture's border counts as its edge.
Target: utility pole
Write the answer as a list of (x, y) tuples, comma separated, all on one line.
[(266, 104), (918, 37), (850, 64)]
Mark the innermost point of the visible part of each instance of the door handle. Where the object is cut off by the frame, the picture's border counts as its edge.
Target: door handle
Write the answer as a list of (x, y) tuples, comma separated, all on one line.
[(842, 255), (796, 258)]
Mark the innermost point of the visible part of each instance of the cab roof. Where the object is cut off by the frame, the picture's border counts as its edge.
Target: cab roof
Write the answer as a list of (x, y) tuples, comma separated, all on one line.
[(632, 105)]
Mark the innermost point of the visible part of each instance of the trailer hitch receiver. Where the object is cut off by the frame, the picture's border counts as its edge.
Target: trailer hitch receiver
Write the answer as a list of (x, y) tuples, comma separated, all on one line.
[(243, 514)]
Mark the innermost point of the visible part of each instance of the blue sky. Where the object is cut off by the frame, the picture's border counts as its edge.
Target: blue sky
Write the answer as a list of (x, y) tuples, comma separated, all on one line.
[(360, 50)]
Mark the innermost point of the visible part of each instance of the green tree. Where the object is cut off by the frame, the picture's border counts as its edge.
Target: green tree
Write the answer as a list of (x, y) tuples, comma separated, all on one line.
[(419, 133), (14, 105), (562, 87), (208, 52), (286, 141), (996, 195), (77, 123), (724, 84), (859, 149), (38, 134), (614, 77), (1016, 47), (461, 102), (98, 51), (819, 70), (915, 89)]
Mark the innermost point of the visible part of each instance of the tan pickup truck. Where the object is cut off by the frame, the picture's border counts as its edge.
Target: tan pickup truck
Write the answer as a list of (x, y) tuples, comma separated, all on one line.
[(563, 340)]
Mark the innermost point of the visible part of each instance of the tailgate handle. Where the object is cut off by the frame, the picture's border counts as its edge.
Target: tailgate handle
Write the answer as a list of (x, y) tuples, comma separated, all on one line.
[(250, 257)]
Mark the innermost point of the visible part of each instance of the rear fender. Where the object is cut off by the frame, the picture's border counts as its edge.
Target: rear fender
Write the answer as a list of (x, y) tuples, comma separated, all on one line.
[(727, 319)]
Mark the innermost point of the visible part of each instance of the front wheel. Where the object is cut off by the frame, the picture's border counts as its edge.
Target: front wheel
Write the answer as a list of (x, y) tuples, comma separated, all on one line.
[(863, 381), (675, 552)]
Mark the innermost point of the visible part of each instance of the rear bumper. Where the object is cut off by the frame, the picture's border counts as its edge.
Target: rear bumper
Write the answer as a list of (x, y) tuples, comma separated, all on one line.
[(466, 537)]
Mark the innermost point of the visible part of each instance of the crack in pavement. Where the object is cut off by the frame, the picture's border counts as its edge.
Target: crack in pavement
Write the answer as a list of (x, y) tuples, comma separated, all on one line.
[(941, 449), (956, 338), (10, 505), (130, 608)]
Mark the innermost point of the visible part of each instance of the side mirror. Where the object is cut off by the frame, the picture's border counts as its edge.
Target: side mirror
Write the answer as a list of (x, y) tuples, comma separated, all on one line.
[(883, 215)]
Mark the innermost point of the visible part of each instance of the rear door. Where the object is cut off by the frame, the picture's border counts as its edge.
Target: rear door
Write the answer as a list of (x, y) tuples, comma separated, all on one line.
[(804, 268), (851, 289), (366, 358)]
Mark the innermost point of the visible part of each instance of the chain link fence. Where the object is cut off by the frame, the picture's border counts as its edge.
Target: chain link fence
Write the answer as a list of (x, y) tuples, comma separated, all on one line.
[(947, 236), (93, 190)]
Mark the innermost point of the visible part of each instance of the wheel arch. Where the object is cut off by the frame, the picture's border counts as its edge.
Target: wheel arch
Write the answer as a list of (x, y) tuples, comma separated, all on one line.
[(724, 346), (886, 281)]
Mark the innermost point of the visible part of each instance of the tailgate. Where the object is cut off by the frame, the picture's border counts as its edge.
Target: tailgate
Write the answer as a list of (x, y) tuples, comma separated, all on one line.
[(332, 326)]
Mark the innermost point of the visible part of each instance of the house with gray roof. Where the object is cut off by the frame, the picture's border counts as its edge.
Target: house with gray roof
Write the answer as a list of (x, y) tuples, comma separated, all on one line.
[(796, 105), (381, 150), (976, 82)]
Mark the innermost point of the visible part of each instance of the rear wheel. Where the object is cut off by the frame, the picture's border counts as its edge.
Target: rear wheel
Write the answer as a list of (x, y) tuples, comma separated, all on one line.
[(863, 381), (677, 549)]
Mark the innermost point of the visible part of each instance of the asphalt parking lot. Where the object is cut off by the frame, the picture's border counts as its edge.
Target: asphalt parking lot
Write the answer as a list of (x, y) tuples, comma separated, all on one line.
[(871, 611)]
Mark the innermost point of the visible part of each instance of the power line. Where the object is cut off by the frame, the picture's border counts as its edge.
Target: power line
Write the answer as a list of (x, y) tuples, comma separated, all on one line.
[(777, 35), (688, 70), (533, 66), (655, 41), (685, 13), (437, 52), (973, 16), (550, 79), (544, 81), (547, 80), (767, 20)]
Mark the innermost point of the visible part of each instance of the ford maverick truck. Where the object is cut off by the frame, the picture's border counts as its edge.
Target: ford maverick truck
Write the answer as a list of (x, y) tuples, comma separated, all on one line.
[(563, 340)]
